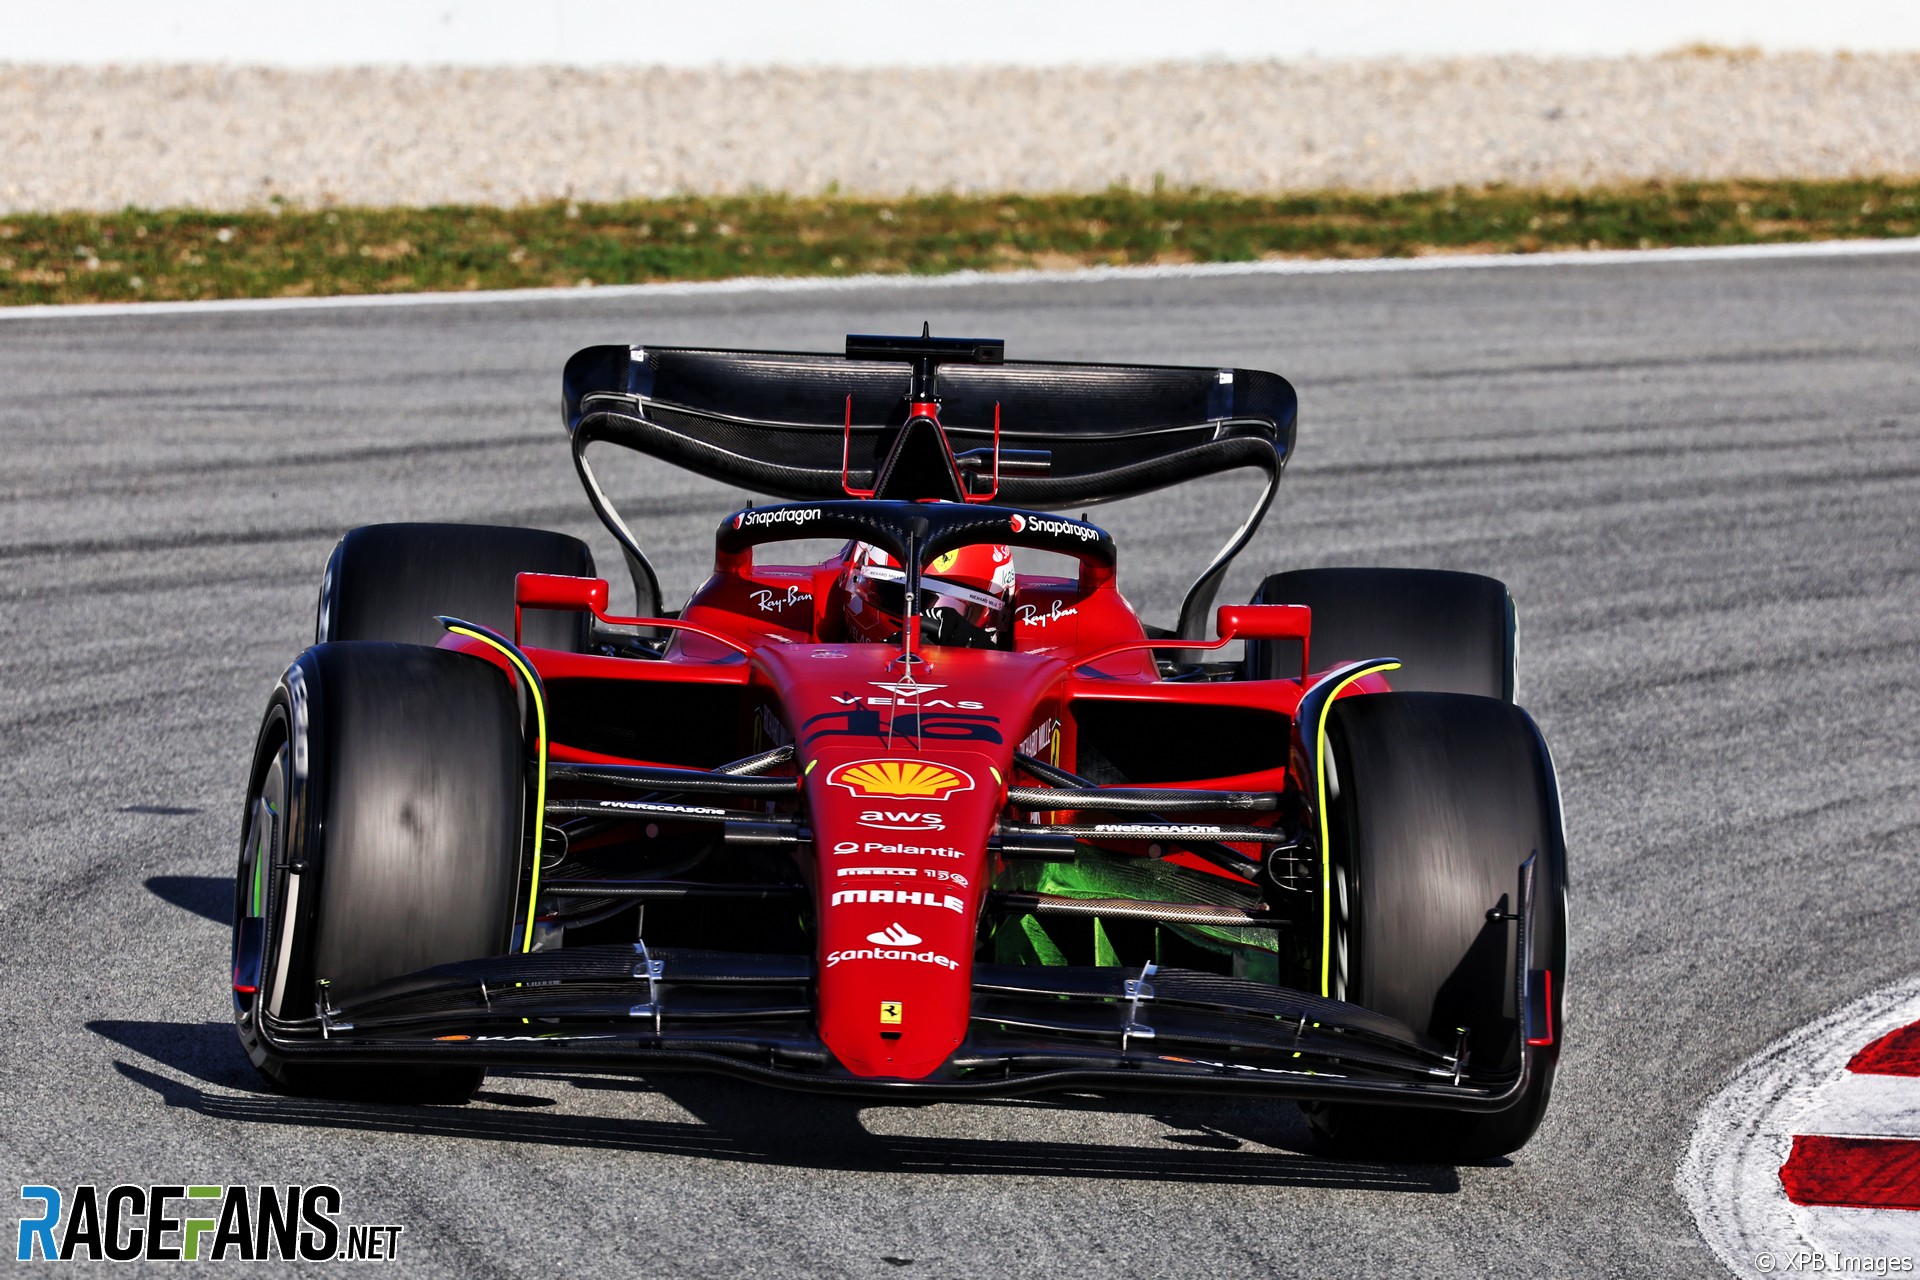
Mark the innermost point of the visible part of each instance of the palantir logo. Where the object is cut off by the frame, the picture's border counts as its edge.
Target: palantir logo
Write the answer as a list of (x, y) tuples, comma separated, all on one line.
[(894, 936), (250, 1223)]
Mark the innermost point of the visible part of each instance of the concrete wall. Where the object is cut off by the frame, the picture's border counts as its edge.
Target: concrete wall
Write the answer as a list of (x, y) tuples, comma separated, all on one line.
[(891, 33)]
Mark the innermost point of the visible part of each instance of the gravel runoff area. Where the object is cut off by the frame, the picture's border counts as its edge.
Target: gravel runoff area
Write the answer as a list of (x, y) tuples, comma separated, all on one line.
[(227, 138)]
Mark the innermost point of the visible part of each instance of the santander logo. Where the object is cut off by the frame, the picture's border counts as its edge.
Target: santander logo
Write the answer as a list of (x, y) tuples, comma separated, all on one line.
[(894, 936)]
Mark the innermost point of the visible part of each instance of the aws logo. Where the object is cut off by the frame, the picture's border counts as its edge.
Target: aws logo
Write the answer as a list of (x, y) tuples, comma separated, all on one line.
[(903, 819), (900, 779)]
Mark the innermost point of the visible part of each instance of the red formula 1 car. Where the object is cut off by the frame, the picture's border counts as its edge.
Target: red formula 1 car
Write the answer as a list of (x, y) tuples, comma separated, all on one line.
[(905, 821)]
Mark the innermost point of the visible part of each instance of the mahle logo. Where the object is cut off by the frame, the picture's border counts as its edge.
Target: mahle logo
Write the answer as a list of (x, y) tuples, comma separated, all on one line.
[(161, 1223)]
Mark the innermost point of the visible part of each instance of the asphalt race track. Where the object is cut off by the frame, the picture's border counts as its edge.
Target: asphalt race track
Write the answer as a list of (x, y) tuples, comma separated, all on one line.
[(1702, 481)]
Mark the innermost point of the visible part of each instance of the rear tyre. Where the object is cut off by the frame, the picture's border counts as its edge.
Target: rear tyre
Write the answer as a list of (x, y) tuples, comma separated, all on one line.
[(1441, 799), (382, 835), (388, 581), (1453, 632)]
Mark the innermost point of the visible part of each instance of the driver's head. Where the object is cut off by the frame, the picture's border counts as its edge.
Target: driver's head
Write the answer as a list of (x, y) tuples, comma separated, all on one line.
[(966, 597)]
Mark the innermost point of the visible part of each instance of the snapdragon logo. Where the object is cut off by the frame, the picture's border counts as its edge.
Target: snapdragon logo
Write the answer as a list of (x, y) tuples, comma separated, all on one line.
[(775, 516), (1046, 524), (160, 1223)]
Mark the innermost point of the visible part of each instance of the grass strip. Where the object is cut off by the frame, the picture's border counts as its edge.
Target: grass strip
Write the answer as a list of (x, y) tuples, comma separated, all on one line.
[(282, 251)]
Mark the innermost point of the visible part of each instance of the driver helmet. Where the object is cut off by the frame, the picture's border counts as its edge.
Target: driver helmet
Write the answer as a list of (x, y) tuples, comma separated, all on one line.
[(966, 596)]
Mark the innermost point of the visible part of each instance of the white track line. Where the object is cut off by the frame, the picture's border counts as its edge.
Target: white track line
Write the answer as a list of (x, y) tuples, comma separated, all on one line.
[(1867, 1106), (968, 279), (1730, 1175)]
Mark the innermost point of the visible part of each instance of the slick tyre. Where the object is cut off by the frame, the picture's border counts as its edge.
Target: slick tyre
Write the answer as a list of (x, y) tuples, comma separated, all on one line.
[(1453, 632), (1441, 798), (389, 581), (382, 835)]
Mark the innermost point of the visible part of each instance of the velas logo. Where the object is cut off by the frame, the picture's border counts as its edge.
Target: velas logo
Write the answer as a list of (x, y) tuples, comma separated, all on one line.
[(894, 935), (760, 518), (908, 688), (900, 779), (191, 1223), (912, 700)]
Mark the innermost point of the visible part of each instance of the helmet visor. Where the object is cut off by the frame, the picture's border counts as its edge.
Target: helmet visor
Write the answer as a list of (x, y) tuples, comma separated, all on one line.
[(980, 610)]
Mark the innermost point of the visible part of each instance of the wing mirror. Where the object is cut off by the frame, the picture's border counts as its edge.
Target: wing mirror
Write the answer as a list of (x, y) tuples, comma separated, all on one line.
[(557, 591), (1267, 622)]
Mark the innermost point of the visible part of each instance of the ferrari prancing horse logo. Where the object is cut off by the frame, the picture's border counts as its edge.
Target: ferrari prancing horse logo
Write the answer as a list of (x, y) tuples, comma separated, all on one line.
[(890, 1013), (900, 779)]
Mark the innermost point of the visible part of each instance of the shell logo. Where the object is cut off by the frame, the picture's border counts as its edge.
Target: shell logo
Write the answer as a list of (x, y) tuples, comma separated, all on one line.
[(900, 779)]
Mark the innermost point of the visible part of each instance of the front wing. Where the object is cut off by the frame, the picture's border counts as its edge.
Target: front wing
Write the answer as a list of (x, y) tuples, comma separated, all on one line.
[(1034, 1028)]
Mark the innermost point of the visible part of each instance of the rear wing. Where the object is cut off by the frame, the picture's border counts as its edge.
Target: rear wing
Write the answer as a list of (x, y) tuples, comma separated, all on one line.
[(809, 426)]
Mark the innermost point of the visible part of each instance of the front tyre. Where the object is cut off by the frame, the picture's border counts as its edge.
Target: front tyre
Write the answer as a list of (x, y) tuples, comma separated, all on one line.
[(1441, 799), (382, 835), (388, 581), (1453, 632)]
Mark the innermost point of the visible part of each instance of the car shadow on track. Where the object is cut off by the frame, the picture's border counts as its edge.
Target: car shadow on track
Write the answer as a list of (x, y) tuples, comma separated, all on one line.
[(752, 1124), (210, 897)]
